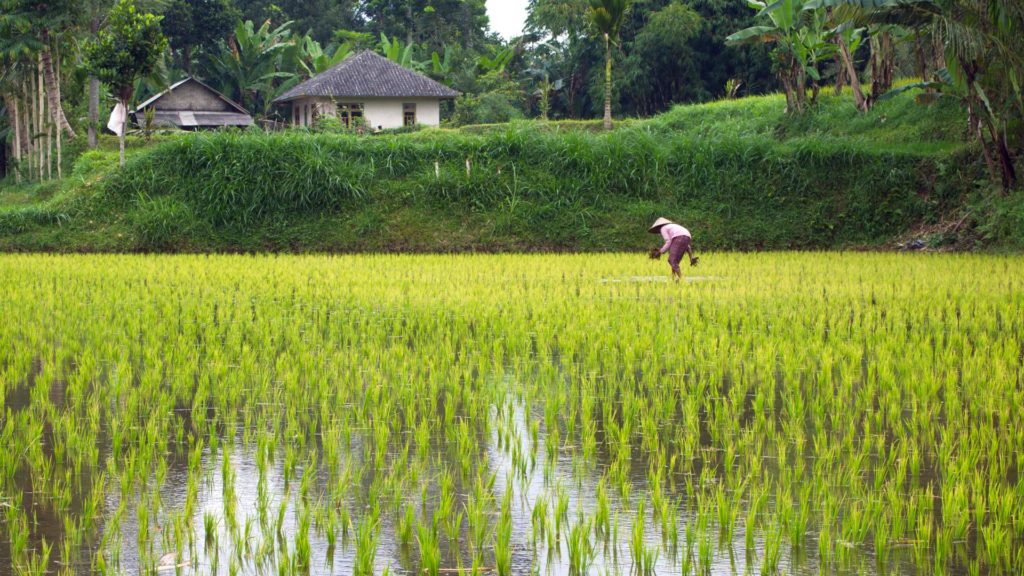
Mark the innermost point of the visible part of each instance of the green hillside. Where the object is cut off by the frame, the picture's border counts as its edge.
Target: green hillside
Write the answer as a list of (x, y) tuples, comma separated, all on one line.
[(740, 173)]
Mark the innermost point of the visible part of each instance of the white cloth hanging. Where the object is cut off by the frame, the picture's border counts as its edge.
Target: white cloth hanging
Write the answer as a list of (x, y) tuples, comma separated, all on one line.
[(117, 117)]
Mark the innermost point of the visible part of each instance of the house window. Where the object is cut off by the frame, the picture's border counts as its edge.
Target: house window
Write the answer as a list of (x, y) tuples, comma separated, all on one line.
[(295, 115), (351, 115), (408, 114)]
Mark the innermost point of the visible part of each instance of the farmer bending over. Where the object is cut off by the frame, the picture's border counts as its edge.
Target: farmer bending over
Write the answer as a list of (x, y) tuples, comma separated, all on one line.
[(677, 242)]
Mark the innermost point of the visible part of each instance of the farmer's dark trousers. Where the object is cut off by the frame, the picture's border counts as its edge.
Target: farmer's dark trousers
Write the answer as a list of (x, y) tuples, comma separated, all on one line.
[(680, 245)]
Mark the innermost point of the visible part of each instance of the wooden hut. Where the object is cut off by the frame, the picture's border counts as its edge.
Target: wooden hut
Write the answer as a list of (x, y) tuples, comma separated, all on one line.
[(192, 105)]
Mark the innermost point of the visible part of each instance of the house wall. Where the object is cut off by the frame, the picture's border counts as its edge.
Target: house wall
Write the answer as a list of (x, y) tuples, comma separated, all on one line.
[(192, 97), (386, 113)]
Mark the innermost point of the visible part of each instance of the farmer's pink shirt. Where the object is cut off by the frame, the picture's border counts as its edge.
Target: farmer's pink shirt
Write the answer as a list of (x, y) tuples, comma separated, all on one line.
[(670, 232)]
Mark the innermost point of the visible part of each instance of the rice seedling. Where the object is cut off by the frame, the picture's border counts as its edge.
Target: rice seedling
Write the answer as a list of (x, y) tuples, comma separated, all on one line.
[(643, 557), (406, 525), (772, 550), (210, 522), (302, 547), (580, 547), (503, 538), (430, 548), (705, 553), (366, 547)]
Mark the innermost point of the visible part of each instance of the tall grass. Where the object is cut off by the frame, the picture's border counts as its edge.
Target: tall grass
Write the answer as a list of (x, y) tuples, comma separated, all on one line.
[(750, 179)]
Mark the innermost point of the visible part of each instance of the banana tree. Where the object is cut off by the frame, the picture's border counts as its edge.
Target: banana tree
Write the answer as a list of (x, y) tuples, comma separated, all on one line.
[(498, 60), (794, 45), (314, 59), (855, 15), (253, 63), (982, 45), (399, 52), (442, 66)]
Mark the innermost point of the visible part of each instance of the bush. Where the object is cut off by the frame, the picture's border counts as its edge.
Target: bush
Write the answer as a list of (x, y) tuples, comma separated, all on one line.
[(162, 222), (999, 218)]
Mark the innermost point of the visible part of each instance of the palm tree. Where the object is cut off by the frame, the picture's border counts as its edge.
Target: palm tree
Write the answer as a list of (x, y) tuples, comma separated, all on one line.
[(607, 17)]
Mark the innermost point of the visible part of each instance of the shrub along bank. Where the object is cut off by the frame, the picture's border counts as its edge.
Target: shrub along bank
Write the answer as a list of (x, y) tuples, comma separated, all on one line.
[(739, 173)]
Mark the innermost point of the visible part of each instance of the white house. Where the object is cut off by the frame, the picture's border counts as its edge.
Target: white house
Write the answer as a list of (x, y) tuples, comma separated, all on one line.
[(368, 86)]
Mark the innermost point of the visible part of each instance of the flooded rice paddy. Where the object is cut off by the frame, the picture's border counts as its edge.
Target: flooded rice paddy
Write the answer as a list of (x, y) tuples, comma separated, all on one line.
[(776, 414)]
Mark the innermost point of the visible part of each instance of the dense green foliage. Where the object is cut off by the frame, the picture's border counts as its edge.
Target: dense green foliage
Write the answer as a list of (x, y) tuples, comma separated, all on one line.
[(190, 23), (740, 173), (663, 52)]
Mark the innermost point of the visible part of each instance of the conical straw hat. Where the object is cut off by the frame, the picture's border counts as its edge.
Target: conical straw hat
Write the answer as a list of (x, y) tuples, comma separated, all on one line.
[(658, 224)]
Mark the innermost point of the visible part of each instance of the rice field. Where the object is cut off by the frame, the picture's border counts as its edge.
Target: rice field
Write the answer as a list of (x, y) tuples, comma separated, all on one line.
[(786, 413)]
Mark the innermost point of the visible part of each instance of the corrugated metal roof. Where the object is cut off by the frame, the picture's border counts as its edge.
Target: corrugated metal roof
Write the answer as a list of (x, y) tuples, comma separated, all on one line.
[(185, 119), (368, 75)]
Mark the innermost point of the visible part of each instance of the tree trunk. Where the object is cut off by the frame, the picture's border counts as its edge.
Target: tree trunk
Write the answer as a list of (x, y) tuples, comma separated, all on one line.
[(1007, 172), (26, 128), (882, 56), (974, 128), (16, 117), (186, 58), (40, 123), (787, 89), (800, 79), (94, 96), (94, 109), (52, 89), (60, 172), (49, 152), (607, 82), (840, 75), (60, 156), (12, 112), (124, 132), (922, 60), (851, 71)]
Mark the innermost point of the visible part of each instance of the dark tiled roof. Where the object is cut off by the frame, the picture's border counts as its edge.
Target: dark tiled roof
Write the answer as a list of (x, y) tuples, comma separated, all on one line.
[(368, 74)]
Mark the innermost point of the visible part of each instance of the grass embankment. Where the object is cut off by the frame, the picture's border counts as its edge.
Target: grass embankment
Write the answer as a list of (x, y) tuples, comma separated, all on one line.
[(740, 173)]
